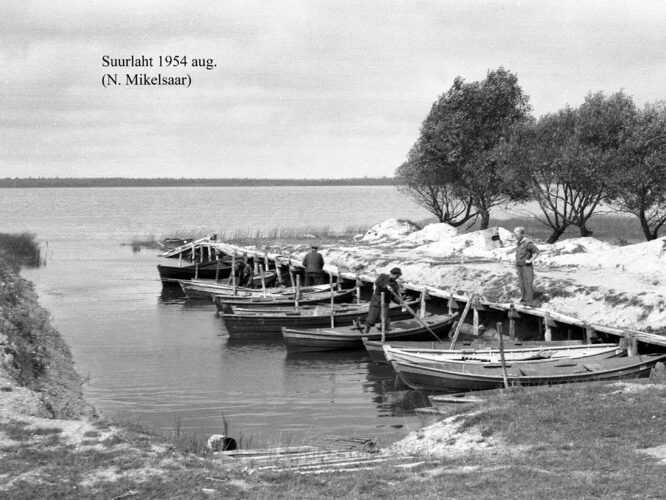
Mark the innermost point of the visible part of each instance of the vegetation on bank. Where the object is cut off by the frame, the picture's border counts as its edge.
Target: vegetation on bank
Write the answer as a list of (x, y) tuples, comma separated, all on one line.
[(480, 147), (32, 352), (570, 441)]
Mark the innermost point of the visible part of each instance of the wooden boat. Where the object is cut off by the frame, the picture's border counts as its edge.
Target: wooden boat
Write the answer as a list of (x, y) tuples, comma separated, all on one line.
[(261, 302), (482, 356), (267, 323), (208, 289), (375, 348), (431, 378), (351, 337), (172, 274)]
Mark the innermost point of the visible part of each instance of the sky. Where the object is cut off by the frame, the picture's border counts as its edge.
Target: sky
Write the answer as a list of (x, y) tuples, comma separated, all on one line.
[(301, 89)]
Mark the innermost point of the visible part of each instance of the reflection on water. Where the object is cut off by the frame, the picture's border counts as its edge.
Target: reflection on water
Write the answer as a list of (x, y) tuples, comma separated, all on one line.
[(169, 362)]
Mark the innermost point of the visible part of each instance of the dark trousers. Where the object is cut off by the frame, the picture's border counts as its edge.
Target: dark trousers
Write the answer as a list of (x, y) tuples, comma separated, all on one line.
[(314, 279), (525, 280), (375, 313)]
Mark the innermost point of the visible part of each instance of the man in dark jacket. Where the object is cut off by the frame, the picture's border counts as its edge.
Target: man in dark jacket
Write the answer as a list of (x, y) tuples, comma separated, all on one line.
[(385, 283), (313, 262)]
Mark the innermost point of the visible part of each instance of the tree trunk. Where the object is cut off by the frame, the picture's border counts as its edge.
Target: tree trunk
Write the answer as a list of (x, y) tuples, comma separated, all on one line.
[(645, 226), (555, 235), (485, 218), (584, 231)]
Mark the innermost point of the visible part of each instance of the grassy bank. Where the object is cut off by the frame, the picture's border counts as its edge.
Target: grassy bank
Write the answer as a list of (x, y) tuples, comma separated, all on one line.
[(574, 441), (19, 249)]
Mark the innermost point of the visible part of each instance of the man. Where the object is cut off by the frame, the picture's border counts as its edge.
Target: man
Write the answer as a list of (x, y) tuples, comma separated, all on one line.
[(247, 275), (313, 262), (526, 252), (385, 283)]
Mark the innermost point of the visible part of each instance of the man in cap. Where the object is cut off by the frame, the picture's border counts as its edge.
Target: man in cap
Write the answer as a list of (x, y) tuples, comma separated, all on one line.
[(313, 262), (526, 252), (385, 283)]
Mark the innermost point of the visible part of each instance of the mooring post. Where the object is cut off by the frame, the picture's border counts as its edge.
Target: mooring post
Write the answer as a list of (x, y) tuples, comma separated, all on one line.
[(266, 263), (278, 270), (512, 322), (568, 333), (460, 322), (502, 360), (233, 271), (358, 288), (330, 284), (589, 331), (263, 279), (196, 270), (475, 319), (452, 303), (548, 334), (217, 271), (383, 311), (422, 310), (298, 289), (180, 259)]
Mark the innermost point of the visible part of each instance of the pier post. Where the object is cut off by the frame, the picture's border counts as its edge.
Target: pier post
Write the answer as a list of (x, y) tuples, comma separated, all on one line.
[(513, 315), (263, 279), (422, 310), (233, 271), (383, 311), (588, 333), (452, 303), (475, 319), (330, 284), (358, 288), (548, 334), (298, 289)]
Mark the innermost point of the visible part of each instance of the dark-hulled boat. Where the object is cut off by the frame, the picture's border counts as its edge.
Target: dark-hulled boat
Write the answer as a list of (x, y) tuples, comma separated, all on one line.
[(431, 378), (172, 274), (351, 337), (259, 301), (267, 323)]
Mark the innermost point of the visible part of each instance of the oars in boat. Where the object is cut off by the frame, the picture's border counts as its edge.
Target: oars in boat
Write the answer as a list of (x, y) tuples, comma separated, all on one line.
[(411, 311), (460, 321)]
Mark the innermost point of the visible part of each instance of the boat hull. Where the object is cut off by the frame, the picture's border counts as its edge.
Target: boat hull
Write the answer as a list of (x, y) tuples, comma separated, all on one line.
[(268, 324), (346, 338), (432, 379)]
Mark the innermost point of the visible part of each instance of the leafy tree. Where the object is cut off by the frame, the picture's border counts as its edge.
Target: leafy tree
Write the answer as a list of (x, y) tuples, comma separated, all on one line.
[(569, 159), (431, 185), (460, 145), (603, 125), (641, 184)]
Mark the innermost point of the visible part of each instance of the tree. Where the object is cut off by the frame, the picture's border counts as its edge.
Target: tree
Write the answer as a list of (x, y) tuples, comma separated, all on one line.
[(603, 124), (431, 186), (641, 185), (460, 138)]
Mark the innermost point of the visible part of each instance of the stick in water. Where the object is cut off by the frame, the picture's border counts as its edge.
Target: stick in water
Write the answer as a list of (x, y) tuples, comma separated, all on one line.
[(411, 311), (501, 350)]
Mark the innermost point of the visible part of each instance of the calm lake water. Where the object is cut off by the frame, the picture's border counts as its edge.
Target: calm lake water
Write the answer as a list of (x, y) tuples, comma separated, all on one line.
[(166, 363)]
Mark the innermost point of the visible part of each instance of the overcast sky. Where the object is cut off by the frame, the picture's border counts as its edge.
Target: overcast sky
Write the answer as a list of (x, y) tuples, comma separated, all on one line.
[(301, 89)]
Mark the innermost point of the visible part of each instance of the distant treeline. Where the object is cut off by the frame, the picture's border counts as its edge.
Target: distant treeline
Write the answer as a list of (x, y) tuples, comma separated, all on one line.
[(52, 182)]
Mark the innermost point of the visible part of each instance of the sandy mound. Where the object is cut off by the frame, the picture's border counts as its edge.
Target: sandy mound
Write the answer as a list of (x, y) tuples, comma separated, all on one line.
[(432, 232), (391, 229), (485, 243)]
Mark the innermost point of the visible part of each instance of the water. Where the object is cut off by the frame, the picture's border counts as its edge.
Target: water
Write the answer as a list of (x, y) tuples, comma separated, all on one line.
[(150, 356)]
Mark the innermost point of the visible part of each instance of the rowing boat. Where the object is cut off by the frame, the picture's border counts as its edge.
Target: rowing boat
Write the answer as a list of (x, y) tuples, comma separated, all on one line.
[(202, 288), (351, 337), (286, 300), (431, 378), (267, 323)]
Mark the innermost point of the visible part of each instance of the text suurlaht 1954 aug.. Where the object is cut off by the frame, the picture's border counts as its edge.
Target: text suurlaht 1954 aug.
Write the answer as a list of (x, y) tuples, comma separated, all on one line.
[(153, 71)]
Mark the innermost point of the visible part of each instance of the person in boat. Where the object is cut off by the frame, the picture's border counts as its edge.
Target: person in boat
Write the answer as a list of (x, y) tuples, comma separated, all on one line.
[(313, 262), (526, 252), (388, 285)]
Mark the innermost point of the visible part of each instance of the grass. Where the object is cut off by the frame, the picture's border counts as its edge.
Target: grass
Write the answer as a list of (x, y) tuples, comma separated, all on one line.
[(20, 249), (570, 441)]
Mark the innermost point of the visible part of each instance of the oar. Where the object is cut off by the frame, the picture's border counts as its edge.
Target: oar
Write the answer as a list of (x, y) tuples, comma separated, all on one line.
[(411, 311), (460, 321)]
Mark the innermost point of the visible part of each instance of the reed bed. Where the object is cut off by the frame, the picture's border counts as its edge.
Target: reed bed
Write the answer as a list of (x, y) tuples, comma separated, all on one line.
[(20, 248)]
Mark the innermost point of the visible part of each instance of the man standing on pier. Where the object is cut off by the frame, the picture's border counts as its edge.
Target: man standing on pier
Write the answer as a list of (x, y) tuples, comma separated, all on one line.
[(314, 267), (386, 284), (526, 252)]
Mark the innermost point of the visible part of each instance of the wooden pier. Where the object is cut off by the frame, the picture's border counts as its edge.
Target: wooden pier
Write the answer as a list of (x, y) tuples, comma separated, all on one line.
[(545, 318)]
